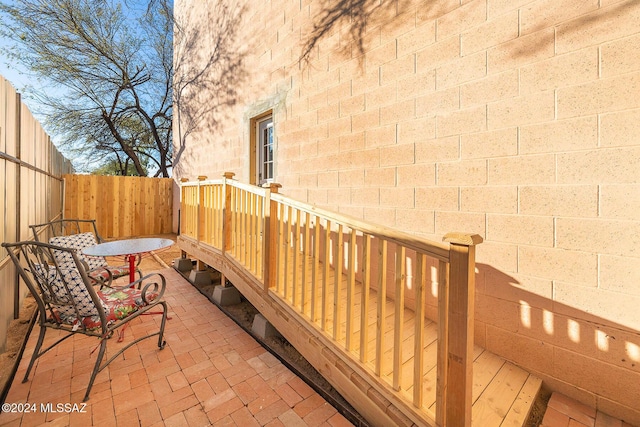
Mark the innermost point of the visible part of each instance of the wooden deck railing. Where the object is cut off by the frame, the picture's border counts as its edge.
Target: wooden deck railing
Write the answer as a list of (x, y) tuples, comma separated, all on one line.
[(396, 303)]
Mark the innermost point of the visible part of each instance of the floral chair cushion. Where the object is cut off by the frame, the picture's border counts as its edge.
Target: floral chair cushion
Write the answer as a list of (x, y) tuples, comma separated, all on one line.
[(117, 303), (102, 274), (79, 242)]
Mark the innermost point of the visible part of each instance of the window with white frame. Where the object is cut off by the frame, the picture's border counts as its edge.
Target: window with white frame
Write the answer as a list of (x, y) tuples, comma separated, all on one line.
[(265, 149)]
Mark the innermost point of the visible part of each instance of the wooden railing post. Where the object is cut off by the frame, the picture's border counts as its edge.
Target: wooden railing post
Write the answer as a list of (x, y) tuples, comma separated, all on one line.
[(200, 228), (269, 240), (226, 212), (457, 340), (226, 219), (184, 212)]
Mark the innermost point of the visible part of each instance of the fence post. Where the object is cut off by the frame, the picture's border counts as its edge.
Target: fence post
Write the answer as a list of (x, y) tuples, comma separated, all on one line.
[(18, 207), (269, 241), (457, 384)]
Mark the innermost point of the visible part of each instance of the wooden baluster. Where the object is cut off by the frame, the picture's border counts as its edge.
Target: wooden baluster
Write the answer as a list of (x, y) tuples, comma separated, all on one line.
[(351, 285), (204, 212), (248, 212), (210, 212), (305, 263), (382, 306), (295, 293), (233, 223), (242, 225), (260, 223), (418, 350), (315, 271), (219, 216), (239, 225), (281, 249), (214, 215), (255, 235), (443, 341), (337, 275), (250, 231), (325, 274), (287, 253), (398, 335), (364, 312), (246, 232)]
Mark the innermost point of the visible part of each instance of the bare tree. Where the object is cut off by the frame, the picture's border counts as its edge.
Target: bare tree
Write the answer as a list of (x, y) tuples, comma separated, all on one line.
[(104, 75)]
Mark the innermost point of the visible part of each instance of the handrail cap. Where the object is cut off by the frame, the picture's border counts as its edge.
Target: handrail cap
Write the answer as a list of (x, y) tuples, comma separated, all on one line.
[(202, 177), (184, 179), (229, 175), (466, 239), (272, 185)]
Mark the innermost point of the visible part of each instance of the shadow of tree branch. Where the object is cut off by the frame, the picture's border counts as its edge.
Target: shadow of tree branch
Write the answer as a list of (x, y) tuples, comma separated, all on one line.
[(356, 13)]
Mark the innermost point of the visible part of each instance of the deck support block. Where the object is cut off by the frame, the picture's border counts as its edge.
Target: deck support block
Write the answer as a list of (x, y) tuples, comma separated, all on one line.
[(263, 328), (182, 264), (201, 277), (226, 295)]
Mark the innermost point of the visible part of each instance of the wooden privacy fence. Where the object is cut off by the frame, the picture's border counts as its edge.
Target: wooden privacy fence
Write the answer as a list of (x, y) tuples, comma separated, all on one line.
[(123, 206), (30, 176), (399, 305)]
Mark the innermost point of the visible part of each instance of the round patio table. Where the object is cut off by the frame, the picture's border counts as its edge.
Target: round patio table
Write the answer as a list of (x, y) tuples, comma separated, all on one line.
[(130, 248)]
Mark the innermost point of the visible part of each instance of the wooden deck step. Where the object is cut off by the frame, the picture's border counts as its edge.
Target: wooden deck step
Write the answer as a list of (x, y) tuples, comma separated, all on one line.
[(503, 393)]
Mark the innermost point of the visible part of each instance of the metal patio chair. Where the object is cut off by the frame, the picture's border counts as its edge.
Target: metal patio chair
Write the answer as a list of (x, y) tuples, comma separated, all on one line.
[(68, 301), (79, 234)]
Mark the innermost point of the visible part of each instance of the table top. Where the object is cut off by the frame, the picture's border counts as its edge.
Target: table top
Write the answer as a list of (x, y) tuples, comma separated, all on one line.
[(128, 246)]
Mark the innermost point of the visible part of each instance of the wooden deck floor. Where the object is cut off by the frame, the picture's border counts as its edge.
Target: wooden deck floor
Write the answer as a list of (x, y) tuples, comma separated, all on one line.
[(502, 392)]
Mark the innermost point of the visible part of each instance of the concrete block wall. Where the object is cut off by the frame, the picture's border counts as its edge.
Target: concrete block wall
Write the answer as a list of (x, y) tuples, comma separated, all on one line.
[(516, 120)]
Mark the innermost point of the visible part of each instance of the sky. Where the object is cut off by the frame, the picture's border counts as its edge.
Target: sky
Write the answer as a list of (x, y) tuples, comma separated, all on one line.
[(8, 70), (10, 73)]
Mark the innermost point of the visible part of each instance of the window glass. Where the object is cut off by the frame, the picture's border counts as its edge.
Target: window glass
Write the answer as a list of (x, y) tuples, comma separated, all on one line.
[(265, 149)]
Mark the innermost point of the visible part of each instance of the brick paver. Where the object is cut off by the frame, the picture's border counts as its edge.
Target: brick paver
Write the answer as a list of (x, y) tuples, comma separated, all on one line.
[(563, 411), (210, 373)]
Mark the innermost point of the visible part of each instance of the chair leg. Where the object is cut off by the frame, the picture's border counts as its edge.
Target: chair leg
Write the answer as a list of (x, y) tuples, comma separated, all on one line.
[(161, 341), (36, 352), (96, 368)]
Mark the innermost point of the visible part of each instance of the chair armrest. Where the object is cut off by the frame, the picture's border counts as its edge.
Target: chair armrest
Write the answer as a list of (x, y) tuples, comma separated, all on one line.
[(99, 280), (151, 287)]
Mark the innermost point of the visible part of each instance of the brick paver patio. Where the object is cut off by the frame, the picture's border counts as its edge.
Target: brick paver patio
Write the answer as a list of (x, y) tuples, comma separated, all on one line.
[(210, 373)]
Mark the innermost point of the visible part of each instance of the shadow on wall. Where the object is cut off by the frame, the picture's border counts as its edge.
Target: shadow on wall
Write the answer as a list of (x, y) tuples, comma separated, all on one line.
[(356, 21), (575, 27), (565, 346), (209, 69)]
